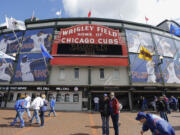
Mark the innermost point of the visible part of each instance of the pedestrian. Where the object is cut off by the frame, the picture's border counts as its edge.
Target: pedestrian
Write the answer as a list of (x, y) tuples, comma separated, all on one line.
[(96, 103), (144, 104), (105, 113), (174, 103), (36, 104), (162, 108), (28, 100), (52, 107), (20, 108), (167, 104), (114, 111), (43, 109), (157, 125)]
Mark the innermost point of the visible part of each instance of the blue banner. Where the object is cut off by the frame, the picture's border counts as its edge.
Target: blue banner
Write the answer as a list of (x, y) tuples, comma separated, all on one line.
[(6, 69), (135, 39), (31, 67), (9, 43), (33, 38), (144, 71)]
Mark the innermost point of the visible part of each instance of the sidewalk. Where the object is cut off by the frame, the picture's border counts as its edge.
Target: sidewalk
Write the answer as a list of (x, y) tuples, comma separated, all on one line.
[(76, 123)]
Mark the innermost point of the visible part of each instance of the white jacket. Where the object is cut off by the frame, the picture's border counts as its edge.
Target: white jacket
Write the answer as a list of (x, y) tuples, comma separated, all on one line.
[(37, 103)]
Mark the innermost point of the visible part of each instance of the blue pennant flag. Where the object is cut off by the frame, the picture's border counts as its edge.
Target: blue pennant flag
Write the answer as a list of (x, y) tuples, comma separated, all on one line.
[(45, 52), (175, 30)]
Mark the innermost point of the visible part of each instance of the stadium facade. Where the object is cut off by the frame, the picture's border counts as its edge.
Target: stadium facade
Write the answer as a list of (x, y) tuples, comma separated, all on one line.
[(92, 56)]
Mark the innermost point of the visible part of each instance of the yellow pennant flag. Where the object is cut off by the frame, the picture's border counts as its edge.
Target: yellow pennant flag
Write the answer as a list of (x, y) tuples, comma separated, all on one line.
[(145, 54)]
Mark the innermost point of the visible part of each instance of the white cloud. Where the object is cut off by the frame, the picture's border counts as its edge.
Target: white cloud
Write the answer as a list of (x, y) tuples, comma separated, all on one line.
[(101, 8), (131, 10)]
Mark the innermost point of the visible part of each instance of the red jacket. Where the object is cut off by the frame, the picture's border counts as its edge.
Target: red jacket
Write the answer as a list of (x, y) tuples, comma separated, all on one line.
[(115, 105)]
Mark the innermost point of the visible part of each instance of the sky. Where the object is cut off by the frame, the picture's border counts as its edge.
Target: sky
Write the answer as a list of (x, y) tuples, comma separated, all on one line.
[(130, 10)]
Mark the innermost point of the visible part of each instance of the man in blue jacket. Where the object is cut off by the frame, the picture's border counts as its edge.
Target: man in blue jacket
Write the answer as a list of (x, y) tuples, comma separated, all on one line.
[(52, 106), (157, 125), (20, 108)]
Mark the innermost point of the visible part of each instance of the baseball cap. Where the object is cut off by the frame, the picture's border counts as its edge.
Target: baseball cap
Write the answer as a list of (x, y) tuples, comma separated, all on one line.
[(140, 116), (105, 95)]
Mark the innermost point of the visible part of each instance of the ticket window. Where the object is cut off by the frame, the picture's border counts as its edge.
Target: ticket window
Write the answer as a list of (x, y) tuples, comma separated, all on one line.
[(18, 96), (50, 96), (58, 98), (67, 98), (33, 96), (10, 98), (75, 97)]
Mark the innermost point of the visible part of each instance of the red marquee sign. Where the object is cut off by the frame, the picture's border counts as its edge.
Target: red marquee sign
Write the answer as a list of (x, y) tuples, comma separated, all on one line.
[(89, 34)]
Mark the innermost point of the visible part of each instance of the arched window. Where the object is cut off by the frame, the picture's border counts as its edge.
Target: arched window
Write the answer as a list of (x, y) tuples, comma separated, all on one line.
[(75, 97)]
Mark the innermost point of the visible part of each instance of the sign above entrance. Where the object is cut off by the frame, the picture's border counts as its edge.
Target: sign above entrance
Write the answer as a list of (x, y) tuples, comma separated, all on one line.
[(89, 34)]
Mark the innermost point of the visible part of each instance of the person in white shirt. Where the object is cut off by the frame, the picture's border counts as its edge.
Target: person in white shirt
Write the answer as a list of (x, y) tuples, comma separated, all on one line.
[(38, 40), (26, 69), (96, 102), (36, 104), (28, 100), (3, 75), (151, 71), (4, 43)]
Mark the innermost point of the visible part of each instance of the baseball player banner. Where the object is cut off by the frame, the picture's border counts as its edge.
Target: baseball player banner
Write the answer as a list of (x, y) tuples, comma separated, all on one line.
[(171, 70), (34, 38), (135, 39), (31, 67), (9, 43), (165, 46), (6, 69), (144, 71)]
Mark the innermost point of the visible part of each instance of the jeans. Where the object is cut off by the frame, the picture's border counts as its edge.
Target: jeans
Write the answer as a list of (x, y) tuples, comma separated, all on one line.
[(52, 110), (105, 125), (28, 113), (42, 118), (164, 115), (96, 107), (115, 120), (35, 114), (19, 115)]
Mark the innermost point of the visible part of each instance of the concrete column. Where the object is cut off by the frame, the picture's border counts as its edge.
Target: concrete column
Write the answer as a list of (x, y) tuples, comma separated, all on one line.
[(130, 100)]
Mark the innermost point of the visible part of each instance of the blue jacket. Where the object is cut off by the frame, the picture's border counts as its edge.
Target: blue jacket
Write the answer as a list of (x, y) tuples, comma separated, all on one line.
[(157, 125), (52, 103), (20, 105)]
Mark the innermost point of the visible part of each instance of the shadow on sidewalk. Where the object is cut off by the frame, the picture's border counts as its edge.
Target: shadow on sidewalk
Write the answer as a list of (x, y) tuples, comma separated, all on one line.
[(97, 126), (80, 134), (9, 118), (5, 125)]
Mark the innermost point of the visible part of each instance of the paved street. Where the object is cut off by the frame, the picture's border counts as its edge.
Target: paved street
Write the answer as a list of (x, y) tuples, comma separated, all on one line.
[(76, 123)]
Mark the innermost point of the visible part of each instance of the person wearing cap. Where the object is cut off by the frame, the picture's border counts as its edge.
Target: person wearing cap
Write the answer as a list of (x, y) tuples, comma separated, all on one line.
[(28, 100), (114, 111), (156, 124), (105, 113), (20, 108)]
